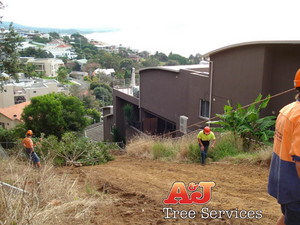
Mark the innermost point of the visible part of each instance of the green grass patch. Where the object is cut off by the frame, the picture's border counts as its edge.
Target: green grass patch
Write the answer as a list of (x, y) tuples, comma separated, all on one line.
[(194, 153), (160, 150), (227, 146)]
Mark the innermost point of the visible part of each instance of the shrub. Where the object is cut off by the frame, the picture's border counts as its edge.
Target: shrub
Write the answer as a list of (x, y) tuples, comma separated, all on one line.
[(72, 148), (247, 124)]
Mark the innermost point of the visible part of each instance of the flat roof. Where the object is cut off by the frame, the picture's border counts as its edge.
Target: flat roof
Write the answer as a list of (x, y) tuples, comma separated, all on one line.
[(177, 68), (291, 42)]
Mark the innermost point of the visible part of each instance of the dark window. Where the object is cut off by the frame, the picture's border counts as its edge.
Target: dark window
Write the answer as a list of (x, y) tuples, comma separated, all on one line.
[(204, 108), (34, 91)]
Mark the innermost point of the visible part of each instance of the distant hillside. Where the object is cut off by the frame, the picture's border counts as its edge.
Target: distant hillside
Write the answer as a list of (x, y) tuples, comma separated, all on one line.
[(6, 24)]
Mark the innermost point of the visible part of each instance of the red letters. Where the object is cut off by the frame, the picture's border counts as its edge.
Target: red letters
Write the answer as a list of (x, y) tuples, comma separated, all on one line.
[(179, 192)]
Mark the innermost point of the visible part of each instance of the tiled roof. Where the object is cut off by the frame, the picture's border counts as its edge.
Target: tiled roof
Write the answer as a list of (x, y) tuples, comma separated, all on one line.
[(14, 112), (64, 46)]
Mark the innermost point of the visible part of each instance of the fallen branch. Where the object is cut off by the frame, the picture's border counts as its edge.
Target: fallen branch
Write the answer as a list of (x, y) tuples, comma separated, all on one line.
[(12, 188)]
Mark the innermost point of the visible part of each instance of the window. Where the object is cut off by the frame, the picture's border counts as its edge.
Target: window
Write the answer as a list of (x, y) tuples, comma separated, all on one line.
[(204, 108), (34, 91)]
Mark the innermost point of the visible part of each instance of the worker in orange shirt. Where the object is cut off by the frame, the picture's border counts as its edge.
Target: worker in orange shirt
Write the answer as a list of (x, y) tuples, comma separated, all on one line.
[(29, 149), (284, 178)]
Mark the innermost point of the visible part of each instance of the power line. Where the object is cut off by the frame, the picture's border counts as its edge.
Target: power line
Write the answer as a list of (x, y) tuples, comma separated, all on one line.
[(234, 110)]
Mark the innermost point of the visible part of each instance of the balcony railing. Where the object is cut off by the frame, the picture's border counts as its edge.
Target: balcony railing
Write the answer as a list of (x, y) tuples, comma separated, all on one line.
[(127, 86)]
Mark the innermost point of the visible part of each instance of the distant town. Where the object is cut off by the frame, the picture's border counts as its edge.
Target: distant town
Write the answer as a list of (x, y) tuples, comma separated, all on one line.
[(40, 63)]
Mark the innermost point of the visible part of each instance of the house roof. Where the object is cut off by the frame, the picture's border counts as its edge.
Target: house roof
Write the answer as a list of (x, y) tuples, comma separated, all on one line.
[(56, 42), (14, 112), (64, 46), (105, 71), (177, 68), (291, 42)]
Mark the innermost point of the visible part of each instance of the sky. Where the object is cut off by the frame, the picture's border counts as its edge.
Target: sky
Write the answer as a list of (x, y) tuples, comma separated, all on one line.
[(180, 26)]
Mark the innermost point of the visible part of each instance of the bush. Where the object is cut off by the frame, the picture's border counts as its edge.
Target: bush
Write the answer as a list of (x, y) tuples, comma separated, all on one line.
[(9, 137), (247, 123), (72, 148)]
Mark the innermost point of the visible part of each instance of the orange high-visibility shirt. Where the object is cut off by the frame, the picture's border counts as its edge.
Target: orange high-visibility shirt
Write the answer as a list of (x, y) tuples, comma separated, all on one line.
[(284, 183), (27, 143)]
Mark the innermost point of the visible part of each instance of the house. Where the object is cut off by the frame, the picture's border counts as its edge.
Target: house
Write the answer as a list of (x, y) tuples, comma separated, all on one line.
[(62, 50), (11, 116), (16, 93), (48, 66), (171, 96), (59, 49), (135, 58), (164, 94), (107, 72), (242, 71)]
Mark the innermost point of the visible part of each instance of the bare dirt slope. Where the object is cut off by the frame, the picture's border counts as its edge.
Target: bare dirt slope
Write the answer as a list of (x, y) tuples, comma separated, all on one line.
[(138, 187)]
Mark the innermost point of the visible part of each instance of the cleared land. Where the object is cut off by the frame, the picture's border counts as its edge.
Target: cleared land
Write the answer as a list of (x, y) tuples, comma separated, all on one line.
[(137, 188)]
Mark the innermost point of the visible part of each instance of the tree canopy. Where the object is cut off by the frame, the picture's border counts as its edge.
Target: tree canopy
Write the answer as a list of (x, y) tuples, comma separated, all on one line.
[(54, 114), (9, 42), (37, 53)]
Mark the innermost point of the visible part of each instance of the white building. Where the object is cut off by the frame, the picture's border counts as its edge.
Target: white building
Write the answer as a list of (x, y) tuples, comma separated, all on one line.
[(15, 93), (107, 72), (59, 49), (47, 66)]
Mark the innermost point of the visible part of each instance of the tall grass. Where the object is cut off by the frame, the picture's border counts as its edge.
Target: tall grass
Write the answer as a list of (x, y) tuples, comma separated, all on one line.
[(50, 198), (186, 148)]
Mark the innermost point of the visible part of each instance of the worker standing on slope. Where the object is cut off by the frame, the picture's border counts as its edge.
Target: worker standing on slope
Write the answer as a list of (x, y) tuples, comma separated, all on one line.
[(284, 177), (204, 138), (29, 149)]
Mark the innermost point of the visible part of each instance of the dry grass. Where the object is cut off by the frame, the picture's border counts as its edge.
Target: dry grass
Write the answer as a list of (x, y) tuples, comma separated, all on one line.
[(51, 198), (260, 157), (177, 149), (168, 148), (140, 146)]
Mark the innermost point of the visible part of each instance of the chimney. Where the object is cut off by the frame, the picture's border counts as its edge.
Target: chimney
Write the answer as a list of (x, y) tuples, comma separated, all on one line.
[(132, 83)]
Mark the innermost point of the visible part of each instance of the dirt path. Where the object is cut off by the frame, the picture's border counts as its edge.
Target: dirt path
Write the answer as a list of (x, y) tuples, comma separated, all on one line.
[(139, 186)]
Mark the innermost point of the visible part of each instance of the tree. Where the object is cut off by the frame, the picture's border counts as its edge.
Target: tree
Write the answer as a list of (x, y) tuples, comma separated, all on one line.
[(54, 35), (9, 42), (182, 60), (95, 114), (172, 62), (37, 53), (103, 94), (39, 39), (66, 39), (151, 62), (90, 67), (54, 114), (161, 56), (73, 65), (79, 39), (30, 70), (126, 64), (62, 74), (1, 7)]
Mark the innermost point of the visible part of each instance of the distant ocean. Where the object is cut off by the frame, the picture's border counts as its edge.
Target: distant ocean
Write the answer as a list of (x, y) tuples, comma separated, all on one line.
[(175, 41)]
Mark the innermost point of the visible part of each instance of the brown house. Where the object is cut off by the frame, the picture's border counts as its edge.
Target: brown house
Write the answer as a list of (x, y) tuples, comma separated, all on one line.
[(238, 73), (165, 94)]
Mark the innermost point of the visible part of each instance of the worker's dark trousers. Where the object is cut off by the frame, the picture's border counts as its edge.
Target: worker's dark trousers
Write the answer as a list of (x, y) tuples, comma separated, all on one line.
[(203, 153)]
